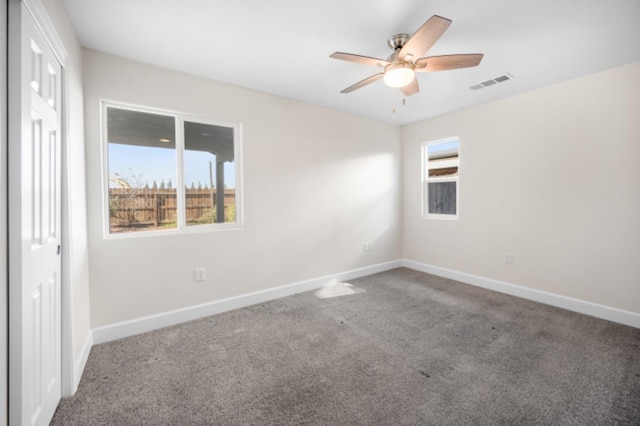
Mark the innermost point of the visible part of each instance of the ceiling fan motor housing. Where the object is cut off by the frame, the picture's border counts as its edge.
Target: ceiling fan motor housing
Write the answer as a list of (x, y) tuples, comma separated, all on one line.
[(396, 42)]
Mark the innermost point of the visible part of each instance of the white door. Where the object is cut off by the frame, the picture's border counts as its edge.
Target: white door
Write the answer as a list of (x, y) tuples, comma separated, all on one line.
[(34, 225)]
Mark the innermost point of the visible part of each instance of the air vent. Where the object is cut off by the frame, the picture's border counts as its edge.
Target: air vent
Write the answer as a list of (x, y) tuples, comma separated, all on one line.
[(500, 79)]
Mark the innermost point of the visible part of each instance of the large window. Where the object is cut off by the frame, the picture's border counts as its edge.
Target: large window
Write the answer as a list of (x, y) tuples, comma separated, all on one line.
[(440, 174), (168, 172)]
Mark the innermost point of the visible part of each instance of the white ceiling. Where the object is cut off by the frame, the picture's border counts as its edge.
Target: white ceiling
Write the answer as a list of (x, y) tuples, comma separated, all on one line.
[(282, 47)]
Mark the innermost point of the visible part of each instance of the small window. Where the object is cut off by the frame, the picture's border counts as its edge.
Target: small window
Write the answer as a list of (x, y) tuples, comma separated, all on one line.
[(441, 162), (166, 172)]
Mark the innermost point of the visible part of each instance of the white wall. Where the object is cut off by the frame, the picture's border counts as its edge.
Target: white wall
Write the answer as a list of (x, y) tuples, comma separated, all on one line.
[(551, 176), (317, 184), (75, 254)]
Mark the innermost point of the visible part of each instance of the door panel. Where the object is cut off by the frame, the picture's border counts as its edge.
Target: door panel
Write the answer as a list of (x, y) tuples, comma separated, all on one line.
[(34, 215)]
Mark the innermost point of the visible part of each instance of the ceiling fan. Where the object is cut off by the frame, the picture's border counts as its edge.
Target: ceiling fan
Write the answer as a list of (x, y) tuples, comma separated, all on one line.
[(400, 67)]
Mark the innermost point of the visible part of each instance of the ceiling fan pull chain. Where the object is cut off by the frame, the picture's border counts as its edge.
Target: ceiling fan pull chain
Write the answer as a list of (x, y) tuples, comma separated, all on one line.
[(393, 105)]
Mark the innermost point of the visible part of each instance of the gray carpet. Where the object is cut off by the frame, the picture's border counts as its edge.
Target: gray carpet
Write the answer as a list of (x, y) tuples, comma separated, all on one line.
[(411, 349)]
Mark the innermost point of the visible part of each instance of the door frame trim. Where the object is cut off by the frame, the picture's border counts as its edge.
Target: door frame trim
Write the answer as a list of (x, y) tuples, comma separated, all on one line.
[(48, 29), (4, 224)]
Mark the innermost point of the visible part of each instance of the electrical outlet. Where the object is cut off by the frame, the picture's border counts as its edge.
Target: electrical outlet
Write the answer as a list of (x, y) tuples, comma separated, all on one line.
[(368, 246), (199, 274), (508, 259)]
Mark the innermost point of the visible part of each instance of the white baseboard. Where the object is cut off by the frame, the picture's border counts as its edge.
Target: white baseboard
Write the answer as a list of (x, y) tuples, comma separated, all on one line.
[(71, 381), (576, 305), (81, 362), (140, 325)]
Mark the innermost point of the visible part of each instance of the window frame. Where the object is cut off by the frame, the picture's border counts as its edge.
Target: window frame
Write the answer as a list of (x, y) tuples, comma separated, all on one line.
[(182, 227), (425, 180)]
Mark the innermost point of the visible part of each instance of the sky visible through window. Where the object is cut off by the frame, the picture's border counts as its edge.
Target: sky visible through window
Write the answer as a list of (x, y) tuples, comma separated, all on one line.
[(158, 164), (443, 146)]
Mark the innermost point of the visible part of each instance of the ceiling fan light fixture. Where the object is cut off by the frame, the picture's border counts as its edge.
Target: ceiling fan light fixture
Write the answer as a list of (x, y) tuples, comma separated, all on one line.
[(399, 74), (406, 60)]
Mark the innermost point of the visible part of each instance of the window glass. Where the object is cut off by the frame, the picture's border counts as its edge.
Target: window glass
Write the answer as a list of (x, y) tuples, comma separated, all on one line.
[(142, 171), (168, 173), (440, 181), (209, 170)]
